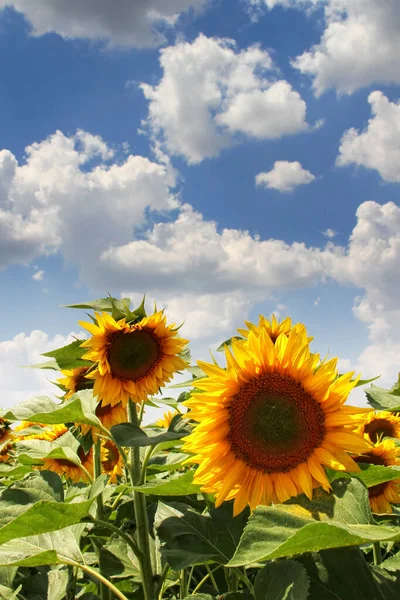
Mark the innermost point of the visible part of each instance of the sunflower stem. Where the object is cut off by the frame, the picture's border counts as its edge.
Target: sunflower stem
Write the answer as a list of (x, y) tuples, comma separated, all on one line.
[(376, 548), (96, 575), (142, 523), (100, 507)]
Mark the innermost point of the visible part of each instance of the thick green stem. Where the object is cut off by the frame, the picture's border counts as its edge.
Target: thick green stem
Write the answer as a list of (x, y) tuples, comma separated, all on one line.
[(93, 573), (376, 548), (104, 595), (142, 523)]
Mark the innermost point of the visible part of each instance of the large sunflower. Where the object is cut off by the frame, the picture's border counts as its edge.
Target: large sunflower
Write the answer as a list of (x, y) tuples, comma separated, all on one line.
[(381, 496), (134, 360), (380, 424), (271, 421), (75, 380)]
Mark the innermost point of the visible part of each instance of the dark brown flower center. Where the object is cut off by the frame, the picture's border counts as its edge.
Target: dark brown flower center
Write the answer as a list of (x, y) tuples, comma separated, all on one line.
[(373, 459), (134, 354), (274, 423), (79, 380), (379, 428)]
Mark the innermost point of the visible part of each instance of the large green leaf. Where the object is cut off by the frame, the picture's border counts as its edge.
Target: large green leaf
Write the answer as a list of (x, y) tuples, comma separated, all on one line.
[(285, 580), (392, 563), (130, 435), (345, 574), (70, 356), (117, 560), (57, 584), (40, 409), (374, 474), (181, 485), (303, 526), (29, 510), (35, 550), (190, 538), (381, 399)]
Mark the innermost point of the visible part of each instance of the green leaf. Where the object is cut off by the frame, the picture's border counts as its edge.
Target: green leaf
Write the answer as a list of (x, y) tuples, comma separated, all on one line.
[(395, 390), (345, 574), (40, 409), (291, 529), (7, 593), (392, 563), (361, 382), (36, 550), (102, 304), (117, 560), (173, 486), (130, 435), (228, 343), (190, 538), (70, 356), (57, 584), (285, 580), (7, 576), (165, 462), (199, 597), (381, 399), (16, 472), (49, 364), (374, 474)]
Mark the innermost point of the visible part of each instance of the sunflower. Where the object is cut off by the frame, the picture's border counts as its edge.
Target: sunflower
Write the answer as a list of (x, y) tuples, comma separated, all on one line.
[(75, 380), (40, 431), (71, 471), (166, 419), (382, 495), (111, 461), (5, 431), (5, 452), (380, 424), (271, 421), (134, 360), (273, 327), (109, 415)]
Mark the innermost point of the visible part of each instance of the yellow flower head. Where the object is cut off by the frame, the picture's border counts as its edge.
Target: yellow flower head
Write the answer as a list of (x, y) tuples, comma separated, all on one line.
[(166, 419), (380, 424), (111, 461), (383, 495), (273, 328), (44, 432), (75, 380), (109, 415), (5, 431), (270, 422), (133, 361), (64, 467)]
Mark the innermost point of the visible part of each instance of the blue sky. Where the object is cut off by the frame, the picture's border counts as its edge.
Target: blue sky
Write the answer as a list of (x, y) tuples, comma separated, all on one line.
[(149, 186)]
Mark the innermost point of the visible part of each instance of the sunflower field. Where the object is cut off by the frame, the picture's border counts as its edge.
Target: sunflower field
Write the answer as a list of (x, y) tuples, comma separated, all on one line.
[(259, 482)]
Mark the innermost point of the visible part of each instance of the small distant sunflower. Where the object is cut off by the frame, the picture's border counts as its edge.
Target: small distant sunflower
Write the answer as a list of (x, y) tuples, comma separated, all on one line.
[(383, 495), (111, 460), (271, 421), (75, 380), (272, 327), (133, 361), (71, 471), (166, 419), (5, 430), (380, 424), (109, 415), (40, 431)]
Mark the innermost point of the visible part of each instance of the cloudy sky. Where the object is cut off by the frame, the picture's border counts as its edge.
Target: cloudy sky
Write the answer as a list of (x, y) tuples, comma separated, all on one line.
[(226, 157)]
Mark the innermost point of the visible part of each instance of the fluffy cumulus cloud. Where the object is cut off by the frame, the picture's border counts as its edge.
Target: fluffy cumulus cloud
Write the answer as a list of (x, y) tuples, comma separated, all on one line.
[(18, 383), (360, 33), (71, 186), (378, 146), (285, 176), (211, 94), (120, 22)]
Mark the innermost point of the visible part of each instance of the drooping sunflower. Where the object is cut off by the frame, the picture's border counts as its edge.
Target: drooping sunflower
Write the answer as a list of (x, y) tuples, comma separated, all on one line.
[(272, 327), (380, 424), (69, 469), (383, 495), (111, 461), (166, 419), (75, 380), (270, 422), (109, 415), (134, 360)]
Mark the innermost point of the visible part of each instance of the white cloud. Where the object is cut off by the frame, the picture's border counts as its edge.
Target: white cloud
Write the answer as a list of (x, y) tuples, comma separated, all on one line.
[(19, 383), (329, 233), (210, 93), (56, 200), (317, 301), (285, 176), (359, 46), (378, 146), (38, 276), (120, 22)]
